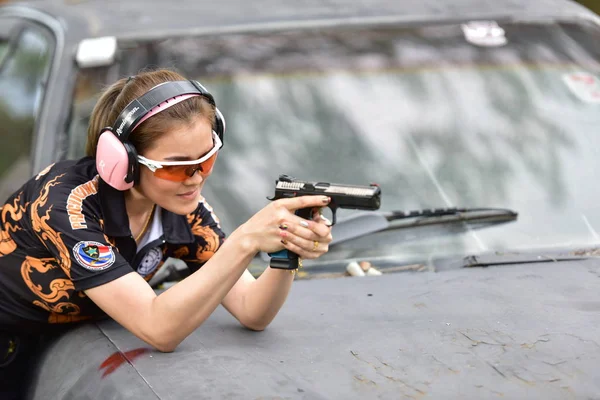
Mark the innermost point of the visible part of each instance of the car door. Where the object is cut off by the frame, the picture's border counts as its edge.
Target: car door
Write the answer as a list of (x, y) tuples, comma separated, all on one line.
[(26, 51)]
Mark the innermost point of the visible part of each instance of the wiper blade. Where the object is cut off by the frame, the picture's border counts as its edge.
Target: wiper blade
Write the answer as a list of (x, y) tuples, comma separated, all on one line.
[(362, 224), (459, 213), (488, 260)]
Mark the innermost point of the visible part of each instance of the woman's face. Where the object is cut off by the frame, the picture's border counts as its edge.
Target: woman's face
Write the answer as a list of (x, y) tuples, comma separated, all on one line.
[(185, 142)]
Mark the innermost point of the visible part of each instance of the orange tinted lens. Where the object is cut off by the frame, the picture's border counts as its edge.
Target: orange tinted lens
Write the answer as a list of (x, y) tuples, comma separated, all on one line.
[(206, 166), (176, 173), (179, 173)]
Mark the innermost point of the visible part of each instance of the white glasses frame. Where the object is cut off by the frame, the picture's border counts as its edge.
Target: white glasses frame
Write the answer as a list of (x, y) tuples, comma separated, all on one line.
[(153, 165)]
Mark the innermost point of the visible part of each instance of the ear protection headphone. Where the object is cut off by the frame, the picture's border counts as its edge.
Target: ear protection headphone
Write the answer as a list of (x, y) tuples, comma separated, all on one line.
[(116, 157)]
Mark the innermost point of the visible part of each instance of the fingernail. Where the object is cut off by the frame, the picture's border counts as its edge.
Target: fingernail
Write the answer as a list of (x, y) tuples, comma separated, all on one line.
[(326, 220), (283, 233), (283, 226), (326, 199), (284, 241), (304, 224)]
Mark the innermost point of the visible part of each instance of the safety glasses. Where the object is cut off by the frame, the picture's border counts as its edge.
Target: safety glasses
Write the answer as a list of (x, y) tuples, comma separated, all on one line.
[(179, 171)]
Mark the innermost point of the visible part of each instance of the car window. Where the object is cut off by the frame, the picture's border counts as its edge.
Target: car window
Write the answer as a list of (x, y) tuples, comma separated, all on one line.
[(89, 84), (3, 49), (433, 118), (22, 77), (7, 26)]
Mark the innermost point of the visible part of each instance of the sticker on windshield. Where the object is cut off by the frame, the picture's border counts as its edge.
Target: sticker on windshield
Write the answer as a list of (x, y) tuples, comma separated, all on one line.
[(584, 85), (484, 33)]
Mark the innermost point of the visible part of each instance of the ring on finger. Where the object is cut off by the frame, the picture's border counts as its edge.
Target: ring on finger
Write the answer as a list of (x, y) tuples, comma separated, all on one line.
[(315, 245)]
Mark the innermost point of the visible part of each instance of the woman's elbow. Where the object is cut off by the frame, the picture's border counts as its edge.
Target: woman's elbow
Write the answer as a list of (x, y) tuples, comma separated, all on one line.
[(256, 326), (163, 346), (165, 349), (161, 342)]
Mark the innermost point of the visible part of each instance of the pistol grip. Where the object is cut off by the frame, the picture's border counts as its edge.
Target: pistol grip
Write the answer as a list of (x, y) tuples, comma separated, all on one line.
[(285, 259)]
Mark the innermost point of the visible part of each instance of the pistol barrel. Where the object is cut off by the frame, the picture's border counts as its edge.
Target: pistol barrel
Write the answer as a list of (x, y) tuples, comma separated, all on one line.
[(342, 196)]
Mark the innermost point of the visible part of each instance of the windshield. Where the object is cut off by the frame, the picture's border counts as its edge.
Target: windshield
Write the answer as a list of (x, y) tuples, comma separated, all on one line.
[(435, 120)]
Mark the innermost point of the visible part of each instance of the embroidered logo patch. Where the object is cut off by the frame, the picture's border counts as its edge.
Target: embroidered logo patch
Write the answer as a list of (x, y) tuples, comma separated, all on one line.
[(93, 255), (150, 261)]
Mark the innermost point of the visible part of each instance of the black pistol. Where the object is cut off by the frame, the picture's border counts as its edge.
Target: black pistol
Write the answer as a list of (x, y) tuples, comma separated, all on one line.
[(342, 196)]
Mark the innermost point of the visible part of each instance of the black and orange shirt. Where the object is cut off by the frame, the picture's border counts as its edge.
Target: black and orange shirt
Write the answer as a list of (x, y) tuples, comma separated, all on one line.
[(66, 231)]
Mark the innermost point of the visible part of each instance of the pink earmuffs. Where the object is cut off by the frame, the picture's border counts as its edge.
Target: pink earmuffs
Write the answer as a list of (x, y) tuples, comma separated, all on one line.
[(116, 158)]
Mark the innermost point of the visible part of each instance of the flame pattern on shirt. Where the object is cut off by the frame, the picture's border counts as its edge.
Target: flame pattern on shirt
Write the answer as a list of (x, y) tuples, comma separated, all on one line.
[(211, 240), (60, 311), (15, 211), (37, 269), (55, 297), (44, 231)]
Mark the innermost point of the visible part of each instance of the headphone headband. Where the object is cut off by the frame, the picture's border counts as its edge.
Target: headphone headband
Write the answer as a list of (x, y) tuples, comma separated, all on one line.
[(116, 157), (135, 111)]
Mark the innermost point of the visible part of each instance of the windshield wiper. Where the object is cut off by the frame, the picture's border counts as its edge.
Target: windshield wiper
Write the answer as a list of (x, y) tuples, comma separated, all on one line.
[(489, 260), (362, 224), (466, 213)]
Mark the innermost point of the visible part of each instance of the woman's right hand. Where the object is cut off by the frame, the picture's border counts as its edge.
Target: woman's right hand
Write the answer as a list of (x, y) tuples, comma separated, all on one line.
[(276, 227)]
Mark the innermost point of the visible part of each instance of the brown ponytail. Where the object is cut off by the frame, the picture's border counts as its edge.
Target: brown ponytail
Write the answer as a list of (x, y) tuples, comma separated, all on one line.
[(116, 97)]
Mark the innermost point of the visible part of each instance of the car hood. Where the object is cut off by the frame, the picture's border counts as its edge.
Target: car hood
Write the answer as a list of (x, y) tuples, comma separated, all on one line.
[(512, 331)]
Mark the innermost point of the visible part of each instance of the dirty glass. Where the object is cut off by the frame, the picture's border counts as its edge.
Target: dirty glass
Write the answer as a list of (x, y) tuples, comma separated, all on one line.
[(435, 120)]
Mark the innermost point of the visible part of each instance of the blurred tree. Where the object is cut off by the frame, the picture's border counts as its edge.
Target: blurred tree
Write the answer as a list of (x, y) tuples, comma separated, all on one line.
[(593, 5)]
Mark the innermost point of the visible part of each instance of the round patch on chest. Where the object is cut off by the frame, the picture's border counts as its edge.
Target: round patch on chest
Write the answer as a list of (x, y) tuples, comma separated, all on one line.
[(150, 261)]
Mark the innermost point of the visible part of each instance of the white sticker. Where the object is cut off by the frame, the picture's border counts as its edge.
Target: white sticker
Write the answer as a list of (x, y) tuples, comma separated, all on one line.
[(484, 33), (583, 85)]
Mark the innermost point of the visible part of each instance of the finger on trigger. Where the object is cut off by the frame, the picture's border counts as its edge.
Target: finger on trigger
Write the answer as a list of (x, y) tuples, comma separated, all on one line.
[(326, 220), (316, 214)]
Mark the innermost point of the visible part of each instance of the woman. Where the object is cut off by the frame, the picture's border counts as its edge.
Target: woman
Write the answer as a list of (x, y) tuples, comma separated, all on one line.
[(80, 240)]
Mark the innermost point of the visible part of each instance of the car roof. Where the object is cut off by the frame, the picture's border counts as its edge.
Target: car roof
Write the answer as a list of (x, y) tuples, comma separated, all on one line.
[(135, 19)]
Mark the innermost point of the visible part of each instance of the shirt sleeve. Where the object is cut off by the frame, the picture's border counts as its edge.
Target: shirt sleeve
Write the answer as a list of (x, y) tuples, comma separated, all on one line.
[(207, 234), (73, 234)]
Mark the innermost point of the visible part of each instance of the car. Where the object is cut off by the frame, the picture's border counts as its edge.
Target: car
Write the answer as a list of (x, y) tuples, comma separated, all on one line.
[(477, 119)]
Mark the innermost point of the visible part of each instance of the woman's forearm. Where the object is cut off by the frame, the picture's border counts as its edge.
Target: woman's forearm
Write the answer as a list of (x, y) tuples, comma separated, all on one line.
[(265, 297), (182, 308)]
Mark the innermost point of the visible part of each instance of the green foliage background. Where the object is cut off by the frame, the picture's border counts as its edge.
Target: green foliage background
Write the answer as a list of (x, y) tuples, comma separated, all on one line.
[(593, 5)]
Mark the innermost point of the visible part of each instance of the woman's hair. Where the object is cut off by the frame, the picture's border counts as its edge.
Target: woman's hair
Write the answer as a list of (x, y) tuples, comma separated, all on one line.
[(116, 97)]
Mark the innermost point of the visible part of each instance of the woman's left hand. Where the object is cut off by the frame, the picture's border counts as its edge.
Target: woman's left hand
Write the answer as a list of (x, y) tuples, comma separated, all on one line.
[(311, 241)]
